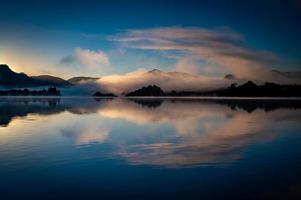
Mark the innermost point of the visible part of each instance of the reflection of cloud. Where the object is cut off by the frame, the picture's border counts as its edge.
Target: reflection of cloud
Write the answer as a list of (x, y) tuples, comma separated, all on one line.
[(222, 48), (174, 133), (85, 133), (206, 133), (91, 136), (168, 112)]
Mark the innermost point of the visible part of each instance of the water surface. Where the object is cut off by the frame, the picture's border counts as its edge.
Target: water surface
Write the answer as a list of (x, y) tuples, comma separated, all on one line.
[(85, 148)]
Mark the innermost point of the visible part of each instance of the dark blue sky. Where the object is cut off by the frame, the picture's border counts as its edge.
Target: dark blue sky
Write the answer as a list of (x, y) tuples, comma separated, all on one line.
[(270, 25)]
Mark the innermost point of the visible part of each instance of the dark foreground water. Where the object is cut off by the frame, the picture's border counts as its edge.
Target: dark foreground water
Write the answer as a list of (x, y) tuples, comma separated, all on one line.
[(82, 148)]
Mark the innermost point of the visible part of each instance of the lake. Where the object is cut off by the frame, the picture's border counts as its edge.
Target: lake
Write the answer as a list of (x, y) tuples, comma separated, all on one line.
[(185, 148)]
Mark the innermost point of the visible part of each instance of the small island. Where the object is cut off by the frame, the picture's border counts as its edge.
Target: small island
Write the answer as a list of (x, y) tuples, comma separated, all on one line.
[(52, 91), (100, 94), (151, 90)]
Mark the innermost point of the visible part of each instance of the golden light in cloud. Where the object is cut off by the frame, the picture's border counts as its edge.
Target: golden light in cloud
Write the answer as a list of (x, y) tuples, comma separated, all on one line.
[(29, 62)]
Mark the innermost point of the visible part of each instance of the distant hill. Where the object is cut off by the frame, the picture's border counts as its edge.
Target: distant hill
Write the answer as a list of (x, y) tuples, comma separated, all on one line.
[(171, 74), (53, 80), (151, 90), (81, 79), (9, 78)]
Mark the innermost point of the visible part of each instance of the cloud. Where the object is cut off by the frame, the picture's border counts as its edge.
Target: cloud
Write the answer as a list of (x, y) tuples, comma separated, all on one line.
[(187, 65), (168, 81), (88, 59), (222, 47)]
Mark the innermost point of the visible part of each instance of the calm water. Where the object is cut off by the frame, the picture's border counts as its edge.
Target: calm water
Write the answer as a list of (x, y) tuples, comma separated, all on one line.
[(82, 148)]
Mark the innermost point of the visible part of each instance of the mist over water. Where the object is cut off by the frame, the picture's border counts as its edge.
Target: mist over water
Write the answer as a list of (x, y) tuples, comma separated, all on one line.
[(144, 148)]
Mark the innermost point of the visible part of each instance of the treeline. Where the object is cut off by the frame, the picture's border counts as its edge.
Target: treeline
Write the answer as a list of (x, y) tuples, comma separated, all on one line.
[(248, 89), (52, 91)]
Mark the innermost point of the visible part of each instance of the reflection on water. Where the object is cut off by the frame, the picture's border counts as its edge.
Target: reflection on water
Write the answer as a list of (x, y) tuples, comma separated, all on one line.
[(166, 133)]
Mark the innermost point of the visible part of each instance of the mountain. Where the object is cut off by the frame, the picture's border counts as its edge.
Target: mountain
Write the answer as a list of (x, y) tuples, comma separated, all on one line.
[(9, 78), (230, 77), (155, 71), (171, 74), (52, 80), (151, 90), (81, 79)]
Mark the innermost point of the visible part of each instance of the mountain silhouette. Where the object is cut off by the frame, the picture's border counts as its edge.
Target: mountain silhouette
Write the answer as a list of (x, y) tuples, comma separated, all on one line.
[(151, 90), (12, 108), (53, 80), (9, 78)]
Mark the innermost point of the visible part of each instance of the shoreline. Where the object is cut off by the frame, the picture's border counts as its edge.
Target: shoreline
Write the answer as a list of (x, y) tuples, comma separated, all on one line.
[(162, 97)]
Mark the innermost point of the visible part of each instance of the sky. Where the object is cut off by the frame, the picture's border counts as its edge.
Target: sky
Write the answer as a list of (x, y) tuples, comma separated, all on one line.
[(101, 38)]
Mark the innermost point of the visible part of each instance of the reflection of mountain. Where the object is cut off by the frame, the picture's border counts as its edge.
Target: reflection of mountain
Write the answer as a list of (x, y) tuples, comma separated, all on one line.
[(248, 105), (20, 107), (174, 132), (150, 103), (11, 108)]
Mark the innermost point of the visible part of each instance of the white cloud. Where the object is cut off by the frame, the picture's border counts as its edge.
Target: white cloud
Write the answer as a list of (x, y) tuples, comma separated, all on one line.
[(188, 65), (91, 58), (166, 80), (87, 60)]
